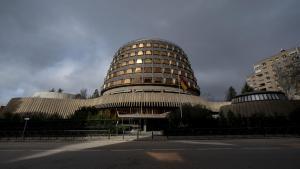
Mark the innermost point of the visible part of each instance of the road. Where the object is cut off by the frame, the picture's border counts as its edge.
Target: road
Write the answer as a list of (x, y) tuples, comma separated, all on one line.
[(281, 153)]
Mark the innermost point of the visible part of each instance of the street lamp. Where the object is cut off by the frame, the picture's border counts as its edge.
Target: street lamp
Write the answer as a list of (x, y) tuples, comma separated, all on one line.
[(26, 119)]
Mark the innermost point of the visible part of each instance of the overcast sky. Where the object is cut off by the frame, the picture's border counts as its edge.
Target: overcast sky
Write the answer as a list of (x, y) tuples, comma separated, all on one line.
[(69, 44)]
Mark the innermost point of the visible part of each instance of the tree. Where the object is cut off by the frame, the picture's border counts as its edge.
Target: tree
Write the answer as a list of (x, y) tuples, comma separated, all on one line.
[(83, 93), (60, 90), (52, 90), (95, 94), (246, 88), (287, 71), (231, 93)]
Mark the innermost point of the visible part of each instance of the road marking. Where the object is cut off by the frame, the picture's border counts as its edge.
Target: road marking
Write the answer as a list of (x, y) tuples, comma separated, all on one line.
[(217, 148), (13, 150), (204, 142), (261, 148), (138, 149), (168, 149)]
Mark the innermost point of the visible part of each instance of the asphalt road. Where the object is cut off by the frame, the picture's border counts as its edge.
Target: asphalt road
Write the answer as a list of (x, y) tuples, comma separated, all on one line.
[(281, 153)]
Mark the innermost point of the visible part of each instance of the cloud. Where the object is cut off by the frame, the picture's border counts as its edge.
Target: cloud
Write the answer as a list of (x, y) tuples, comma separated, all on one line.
[(69, 44)]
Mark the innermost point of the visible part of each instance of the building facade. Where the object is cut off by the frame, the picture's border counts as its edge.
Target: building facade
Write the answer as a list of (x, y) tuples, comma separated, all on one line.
[(279, 72), (147, 79)]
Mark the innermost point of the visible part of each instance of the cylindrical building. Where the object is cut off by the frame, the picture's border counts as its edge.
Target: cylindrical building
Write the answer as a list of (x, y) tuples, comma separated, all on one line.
[(150, 65)]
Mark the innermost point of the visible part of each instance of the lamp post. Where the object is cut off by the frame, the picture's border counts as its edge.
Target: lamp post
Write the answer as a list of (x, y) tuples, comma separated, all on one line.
[(26, 119)]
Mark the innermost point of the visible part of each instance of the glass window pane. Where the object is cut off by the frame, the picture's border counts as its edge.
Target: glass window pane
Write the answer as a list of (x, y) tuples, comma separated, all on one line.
[(256, 97), (140, 53), (139, 61)]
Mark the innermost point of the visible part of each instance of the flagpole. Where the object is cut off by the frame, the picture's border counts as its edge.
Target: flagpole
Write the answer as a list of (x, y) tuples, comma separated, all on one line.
[(180, 104)]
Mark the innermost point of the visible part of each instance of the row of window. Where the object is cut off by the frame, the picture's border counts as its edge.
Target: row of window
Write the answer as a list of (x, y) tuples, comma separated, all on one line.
[(149, 45), (150, 80), (150, 70), (256, 97), (150, 52), (150, 61)]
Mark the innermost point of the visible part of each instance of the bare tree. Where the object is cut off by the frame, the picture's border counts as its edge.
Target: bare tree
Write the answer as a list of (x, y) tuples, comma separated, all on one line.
[(52, 90), (83, 93), (287, 71)]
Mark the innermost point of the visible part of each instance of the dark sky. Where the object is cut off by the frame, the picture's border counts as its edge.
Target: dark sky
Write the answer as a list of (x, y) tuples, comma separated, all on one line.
[(69, 44)]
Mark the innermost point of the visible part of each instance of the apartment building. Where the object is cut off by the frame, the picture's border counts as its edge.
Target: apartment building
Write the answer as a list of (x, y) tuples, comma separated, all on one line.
[(277, 73)]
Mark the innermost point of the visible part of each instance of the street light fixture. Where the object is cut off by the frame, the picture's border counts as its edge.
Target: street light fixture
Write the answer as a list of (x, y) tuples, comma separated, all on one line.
[(26, 119)]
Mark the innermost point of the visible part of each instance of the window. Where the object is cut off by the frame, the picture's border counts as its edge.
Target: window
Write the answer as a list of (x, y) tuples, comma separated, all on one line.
[(148, 44), (169, 81), (139, 61), (179, 72), (162, 46), (137, 80), (138, 70), (156, 61), (129, 71), (126, 55), (148, 70), (133, 46), (157, 80), (156, 52), (118, 82), (269, 97), (120, 72), (163, 53), (165, 61), (249, 98), (124, 64), (132, 54), (126, 81), (148, 61), (140, 53), (148, 52), (157, 70), (256, 96), (261, 97), (141, 45), (131, 62), (174, 81), (167, 70), (147, 80), (155, 45)]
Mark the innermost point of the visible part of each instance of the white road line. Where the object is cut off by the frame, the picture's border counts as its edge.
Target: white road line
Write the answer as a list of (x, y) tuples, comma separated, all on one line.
[(217, 148), (127, 149), (204, 142), (168, 149), (12, 150), (261, 148)]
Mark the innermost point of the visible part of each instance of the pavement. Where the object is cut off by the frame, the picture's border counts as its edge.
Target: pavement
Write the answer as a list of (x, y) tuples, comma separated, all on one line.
[(279, 153)]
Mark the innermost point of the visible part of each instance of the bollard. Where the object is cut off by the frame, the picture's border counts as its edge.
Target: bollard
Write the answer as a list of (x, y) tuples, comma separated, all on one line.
[(152, 135), (137, 135), (109, 134), (123, 133)]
